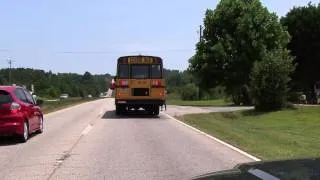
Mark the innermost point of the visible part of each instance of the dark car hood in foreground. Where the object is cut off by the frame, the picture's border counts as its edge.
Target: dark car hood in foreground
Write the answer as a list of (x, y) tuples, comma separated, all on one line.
[(273, 170)]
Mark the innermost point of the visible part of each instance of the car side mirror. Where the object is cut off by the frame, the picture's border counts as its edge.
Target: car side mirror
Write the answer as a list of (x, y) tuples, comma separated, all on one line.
[(40, 102)]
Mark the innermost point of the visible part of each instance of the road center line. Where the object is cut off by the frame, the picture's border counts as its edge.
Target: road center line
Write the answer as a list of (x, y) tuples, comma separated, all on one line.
[(215, 139), (87, 129)]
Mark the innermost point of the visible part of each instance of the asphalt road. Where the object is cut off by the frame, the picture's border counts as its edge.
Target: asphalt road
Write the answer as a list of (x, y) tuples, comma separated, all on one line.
[(89, 142)]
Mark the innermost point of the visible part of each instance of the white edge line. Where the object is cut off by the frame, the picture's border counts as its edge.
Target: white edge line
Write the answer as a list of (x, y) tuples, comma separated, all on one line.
[(215, 139)]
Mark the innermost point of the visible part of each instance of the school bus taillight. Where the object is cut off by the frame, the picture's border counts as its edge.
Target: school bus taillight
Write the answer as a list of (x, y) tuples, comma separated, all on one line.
[(124, 83), (156, 83)]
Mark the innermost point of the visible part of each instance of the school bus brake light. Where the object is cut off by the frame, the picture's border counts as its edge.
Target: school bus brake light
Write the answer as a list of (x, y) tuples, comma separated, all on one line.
[(124, 83), (156, 83)]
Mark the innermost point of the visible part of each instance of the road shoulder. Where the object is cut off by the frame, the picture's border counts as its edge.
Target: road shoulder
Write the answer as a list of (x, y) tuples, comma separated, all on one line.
[(215, 139)]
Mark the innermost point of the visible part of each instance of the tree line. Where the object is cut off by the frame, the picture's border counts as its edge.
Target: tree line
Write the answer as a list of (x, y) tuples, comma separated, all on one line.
[(51, 85), (257, 56), (48, 84)]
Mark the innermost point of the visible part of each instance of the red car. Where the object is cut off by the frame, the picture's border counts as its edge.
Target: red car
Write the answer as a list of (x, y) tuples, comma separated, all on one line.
[(20, 114)]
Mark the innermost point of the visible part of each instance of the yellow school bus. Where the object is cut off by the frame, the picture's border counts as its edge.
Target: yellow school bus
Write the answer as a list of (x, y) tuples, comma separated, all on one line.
[(139, 83)]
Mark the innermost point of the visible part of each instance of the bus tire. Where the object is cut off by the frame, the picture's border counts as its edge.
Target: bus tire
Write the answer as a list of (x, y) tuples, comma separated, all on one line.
[(149, 110), (156, 110), (118, 110)]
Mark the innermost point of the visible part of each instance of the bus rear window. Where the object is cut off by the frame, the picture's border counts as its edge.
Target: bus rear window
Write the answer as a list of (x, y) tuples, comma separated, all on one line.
[(123, 71), (156, 71), (5, 97), (139, 71)]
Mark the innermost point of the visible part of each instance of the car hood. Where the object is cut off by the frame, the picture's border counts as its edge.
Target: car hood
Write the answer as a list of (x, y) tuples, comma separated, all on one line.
[(271, 170)]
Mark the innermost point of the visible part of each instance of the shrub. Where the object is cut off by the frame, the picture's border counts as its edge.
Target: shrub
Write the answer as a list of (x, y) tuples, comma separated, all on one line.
[(214, 93), (294, 97), (189, 92), (270, 78), (52, 92)]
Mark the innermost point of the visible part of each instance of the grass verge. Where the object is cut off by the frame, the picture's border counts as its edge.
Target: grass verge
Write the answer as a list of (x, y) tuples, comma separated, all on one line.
[(51, 106), (275, 135), (217, 102)]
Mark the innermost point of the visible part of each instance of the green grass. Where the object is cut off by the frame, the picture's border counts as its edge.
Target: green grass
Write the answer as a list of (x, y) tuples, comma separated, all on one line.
[(217, 102), (51, 106), (275, 135)]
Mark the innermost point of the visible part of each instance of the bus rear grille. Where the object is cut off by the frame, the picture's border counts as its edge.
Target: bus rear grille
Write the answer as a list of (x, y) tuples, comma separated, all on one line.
[(140, 91)]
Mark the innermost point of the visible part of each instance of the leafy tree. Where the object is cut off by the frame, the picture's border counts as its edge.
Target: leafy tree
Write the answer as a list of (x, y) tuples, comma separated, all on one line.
[(214, 93), (53, 92), (270, 78), (82, 93), (176, 79), (236, 34), (2, 79), (173, 78), (189, 92), (303, 24), (87, 77)]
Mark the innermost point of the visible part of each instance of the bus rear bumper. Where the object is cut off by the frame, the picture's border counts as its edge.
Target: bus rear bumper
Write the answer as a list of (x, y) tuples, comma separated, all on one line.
[(139, 102)]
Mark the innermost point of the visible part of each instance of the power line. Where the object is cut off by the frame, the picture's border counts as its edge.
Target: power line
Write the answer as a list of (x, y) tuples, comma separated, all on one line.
[(118, 52), (110, 52), (86, 52)]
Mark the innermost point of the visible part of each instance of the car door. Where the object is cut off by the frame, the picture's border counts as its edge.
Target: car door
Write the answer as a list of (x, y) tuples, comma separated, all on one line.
[(26, 107), (34, 110)]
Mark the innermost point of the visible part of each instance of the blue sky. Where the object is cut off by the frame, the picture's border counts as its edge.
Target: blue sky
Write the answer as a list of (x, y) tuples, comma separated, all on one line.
[(35, 33)]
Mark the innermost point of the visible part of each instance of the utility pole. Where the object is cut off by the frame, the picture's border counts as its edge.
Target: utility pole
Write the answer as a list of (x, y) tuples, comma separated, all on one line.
[(10, 66), (200, 33), (200, 40)]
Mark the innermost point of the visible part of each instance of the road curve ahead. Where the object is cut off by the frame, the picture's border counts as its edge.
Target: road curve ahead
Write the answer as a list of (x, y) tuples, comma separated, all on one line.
[(89, 142)]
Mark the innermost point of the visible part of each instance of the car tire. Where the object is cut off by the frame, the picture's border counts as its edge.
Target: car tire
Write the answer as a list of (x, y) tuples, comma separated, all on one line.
[(25, 136), (41, 126)]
